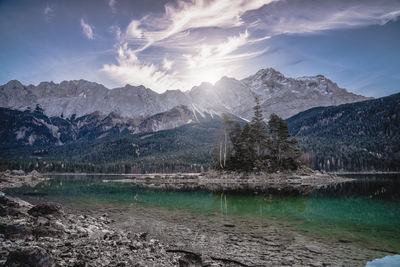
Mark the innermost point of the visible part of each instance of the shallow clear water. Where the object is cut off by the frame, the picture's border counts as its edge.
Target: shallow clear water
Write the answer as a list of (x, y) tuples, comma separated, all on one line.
[(365, 212)]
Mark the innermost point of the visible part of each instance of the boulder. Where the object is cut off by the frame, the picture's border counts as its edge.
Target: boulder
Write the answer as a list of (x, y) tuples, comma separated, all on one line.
[(30, 256), (47, 208)]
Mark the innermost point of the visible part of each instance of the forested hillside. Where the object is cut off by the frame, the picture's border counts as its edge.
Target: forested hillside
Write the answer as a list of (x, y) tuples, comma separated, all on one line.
[(182, 149), (354, 137)]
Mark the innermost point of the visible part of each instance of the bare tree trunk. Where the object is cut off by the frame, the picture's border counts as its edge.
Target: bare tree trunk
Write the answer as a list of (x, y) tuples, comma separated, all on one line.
[(220, 154), (225, 151)]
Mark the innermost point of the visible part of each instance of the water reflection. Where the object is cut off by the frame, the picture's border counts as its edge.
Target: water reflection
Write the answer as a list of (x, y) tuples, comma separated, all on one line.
[(376, 186)]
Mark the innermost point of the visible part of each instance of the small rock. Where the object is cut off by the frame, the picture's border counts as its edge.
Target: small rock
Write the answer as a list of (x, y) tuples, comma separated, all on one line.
[(42, 220), (143, 236)]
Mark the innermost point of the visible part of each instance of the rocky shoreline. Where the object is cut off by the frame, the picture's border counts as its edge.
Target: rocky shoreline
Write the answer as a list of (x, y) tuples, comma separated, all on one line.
[(47, 235), (301, 183)]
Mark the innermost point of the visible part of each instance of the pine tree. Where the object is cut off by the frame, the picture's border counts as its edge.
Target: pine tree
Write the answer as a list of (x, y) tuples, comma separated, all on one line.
[(258, 130), (283, 148), (247, 153)]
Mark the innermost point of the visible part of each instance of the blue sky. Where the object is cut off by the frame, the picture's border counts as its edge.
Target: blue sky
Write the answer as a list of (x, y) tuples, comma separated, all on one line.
[(179, 44)]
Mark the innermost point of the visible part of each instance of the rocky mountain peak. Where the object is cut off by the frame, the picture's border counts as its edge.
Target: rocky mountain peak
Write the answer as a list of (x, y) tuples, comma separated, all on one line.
[(14, 84), (268, 74)]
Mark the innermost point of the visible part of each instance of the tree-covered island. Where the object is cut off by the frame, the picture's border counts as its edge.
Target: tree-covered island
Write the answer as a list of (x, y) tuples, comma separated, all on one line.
[(257, 145)]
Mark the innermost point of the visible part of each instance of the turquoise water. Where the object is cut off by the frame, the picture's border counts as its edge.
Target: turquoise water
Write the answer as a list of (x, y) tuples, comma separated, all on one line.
[(365, 212)]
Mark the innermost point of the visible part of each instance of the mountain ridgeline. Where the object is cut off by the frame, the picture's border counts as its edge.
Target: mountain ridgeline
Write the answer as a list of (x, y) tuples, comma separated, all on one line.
[(277, 93)]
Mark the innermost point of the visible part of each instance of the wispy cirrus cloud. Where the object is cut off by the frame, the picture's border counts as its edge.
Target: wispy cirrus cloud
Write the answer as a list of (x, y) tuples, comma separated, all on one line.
[(211, 38), (311, 16), (184, 15), (204, 61), (87, 29), (130, 70)]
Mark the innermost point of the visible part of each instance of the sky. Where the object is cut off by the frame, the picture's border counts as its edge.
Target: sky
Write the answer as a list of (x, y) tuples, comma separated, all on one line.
[(176, 44)]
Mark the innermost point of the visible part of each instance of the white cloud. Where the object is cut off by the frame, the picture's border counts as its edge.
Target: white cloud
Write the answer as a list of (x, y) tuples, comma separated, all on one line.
[(47, 10), (87, 30), (167, 64), (133, 31), (130, 70), (305, 16), (111, 4), (116, 30), (207, 39), (193, 14), (207, 63), (391, 16), (210, 62)]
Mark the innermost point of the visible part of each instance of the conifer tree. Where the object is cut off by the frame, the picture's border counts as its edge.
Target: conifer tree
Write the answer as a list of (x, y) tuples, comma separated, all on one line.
[(258, 130), (284, 152)]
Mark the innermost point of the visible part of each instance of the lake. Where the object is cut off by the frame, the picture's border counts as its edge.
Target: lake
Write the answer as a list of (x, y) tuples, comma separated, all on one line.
[(364, 212)]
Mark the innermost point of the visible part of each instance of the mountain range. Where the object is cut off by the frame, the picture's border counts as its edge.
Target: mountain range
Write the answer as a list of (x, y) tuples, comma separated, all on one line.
[(277, 94), (79, 125)]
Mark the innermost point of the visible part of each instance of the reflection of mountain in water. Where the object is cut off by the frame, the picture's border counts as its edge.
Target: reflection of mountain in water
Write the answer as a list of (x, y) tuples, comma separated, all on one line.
[(377, 186)]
